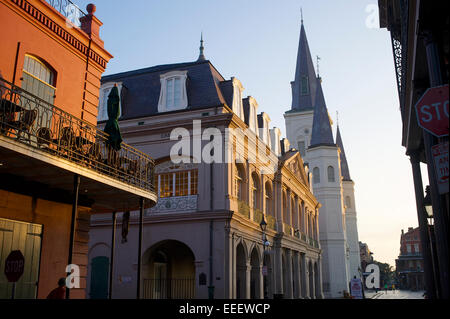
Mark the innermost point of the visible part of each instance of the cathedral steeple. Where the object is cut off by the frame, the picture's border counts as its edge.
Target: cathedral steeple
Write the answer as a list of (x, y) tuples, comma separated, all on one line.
[(345, 173), (304, 85), (321, 130)]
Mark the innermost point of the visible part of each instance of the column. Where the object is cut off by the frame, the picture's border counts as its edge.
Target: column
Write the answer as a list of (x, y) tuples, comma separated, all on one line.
[(233, 270), (305, 277), (320, 278), (288, 291), (297, 284), (248, 273), (287, 219), (278, 272), (312, 284), (261, 279)]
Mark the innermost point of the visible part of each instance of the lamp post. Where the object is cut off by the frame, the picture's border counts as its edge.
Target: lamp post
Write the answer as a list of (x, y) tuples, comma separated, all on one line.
[(265, 243)]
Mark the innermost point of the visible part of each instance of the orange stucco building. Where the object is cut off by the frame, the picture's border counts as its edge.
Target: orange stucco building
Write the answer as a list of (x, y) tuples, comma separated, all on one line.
[(56, 167)]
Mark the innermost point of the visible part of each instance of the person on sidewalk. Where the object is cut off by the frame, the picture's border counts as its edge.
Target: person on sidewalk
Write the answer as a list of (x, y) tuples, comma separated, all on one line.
[(60, 292)]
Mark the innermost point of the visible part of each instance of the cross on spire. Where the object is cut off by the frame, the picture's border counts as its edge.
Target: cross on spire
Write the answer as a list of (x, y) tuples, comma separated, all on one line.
[(301, 13)]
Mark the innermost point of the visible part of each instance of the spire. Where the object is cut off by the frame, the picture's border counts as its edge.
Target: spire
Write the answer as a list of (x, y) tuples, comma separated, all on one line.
[(304, 85), (201, 57), (345, 173), (321, 130)]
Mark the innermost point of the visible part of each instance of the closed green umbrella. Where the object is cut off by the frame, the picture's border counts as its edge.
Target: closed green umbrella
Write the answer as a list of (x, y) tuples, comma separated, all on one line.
[(112, 126)]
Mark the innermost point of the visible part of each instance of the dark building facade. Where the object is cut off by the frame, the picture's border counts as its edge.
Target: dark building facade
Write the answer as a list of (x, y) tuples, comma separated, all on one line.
[(409, 265)]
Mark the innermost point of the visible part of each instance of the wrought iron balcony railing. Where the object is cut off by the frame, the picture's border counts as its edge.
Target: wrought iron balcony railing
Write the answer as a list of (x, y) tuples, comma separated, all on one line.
[(68, 9), (30, 120)]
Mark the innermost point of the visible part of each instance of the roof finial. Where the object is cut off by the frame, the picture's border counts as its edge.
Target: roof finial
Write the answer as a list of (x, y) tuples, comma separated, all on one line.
[(337, 118), (201, 57), (301, 13)]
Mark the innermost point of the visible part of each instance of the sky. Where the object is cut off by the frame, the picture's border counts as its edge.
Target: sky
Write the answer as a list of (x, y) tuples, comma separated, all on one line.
[(256, 41)]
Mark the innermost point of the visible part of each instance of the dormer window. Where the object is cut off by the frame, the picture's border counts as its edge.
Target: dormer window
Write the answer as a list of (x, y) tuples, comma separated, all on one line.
[(237, 98), (253, 119), (105, 89), (173, 94)]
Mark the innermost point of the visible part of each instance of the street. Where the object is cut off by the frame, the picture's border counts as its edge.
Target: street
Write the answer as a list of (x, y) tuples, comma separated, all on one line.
[(396, 294)]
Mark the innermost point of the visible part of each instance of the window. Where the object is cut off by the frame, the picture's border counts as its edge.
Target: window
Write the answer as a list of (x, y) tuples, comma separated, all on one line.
[(416, 248), (316, 175), (348, 202), (304, 86), (173, 94), (285, 211), (181, 183), (38, 79), (302, 148), (239, 177), (331, 178), (255, 191), (268, 196), (408, 249)]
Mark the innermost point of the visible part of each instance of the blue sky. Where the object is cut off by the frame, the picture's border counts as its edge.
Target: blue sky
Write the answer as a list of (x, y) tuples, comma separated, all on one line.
[(256, 41)]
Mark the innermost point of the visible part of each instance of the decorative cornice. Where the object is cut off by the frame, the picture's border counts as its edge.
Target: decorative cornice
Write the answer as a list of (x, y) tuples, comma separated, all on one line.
[(59, 31)]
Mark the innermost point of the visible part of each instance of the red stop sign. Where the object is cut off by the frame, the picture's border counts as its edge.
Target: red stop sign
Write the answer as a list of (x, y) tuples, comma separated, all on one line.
[(432, 111), (14, 266)]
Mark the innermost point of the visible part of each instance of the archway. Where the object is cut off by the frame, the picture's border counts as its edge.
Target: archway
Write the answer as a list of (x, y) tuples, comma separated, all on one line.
[(255, 277), (241, 272), (168, 271)]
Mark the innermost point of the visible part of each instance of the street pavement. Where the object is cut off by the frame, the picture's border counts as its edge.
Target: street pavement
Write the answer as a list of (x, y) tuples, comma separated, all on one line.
[(395, 294)]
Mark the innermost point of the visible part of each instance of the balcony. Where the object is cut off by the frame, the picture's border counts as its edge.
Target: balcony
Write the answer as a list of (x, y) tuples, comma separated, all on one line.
[(243, 208), (69, 10), (177, 204), (41, 143)]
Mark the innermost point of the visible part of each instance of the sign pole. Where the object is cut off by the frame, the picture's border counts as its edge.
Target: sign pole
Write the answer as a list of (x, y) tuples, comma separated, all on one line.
[(13, 291)]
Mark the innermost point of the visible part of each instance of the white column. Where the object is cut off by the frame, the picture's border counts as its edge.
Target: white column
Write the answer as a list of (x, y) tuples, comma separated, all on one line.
[(313, 292)]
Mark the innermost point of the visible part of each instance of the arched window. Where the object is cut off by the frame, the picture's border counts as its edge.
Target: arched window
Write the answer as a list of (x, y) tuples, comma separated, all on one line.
[(348, 202), (255, 191), (285, 211), (331, 177), (316, 175), (268, 196), (239, 182), (38, 79)]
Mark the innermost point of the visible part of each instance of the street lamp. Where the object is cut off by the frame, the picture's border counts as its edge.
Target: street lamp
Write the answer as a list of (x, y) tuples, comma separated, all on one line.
[(427, 203), (263, 225)]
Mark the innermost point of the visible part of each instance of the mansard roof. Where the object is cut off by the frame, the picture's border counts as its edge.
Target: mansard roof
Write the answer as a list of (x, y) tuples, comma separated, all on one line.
[(345, 173), (205, 88)]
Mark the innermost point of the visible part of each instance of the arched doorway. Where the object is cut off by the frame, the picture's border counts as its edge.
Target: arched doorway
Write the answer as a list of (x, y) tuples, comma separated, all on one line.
[(169, 271), (255, 278), (241, 272), (99, 278)]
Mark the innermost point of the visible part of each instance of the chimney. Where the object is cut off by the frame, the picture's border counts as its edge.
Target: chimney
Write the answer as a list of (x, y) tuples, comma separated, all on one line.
[(403, 232), (410, 229)]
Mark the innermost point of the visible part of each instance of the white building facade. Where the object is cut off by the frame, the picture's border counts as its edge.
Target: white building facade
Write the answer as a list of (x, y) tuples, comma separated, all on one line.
[(308, 127)]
